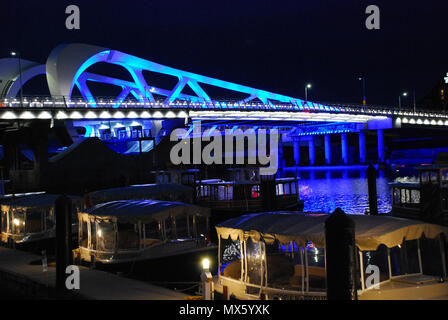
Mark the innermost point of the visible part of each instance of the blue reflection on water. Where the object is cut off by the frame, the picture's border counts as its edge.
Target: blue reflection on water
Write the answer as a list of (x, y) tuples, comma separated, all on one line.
[(324, 190)]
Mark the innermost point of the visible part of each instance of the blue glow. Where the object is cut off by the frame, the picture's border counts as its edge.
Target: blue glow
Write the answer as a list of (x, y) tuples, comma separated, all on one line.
[(89, 132), (135, 66)]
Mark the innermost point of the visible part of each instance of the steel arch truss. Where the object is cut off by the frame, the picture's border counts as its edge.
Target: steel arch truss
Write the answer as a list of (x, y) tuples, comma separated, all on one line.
[(67, 65)]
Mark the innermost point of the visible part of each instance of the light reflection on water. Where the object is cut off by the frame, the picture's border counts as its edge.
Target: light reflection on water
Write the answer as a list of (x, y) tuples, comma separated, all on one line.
[(326, 190)]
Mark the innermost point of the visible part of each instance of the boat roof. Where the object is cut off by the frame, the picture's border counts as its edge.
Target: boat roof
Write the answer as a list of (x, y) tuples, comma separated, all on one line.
[(405, 184), (42, 200), (138, 192), (132, 211), (370, 231), (241, 182), (433, 166)]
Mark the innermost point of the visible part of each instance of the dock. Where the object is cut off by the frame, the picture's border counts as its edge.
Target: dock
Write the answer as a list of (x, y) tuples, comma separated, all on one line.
[(17, 271)]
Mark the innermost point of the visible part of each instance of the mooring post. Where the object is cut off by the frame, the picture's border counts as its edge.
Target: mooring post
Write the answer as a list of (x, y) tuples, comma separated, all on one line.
[(64, 258), (340, 255), (373, 197)]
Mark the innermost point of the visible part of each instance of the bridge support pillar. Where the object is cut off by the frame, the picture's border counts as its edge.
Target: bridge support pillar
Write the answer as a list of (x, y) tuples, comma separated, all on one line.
[(327, 149), (312, 151), (296, 146), (344, 144), (362, 147), (380, 135)]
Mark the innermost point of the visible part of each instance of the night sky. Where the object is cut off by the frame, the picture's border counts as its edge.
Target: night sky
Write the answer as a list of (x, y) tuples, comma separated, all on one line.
[(272, 45)]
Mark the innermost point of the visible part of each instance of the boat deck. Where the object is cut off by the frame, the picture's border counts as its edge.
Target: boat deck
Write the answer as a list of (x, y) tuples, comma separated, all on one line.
[(94, 284)]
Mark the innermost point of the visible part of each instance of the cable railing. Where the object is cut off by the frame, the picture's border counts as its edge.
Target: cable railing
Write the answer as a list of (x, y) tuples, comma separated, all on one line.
[(31, 102)]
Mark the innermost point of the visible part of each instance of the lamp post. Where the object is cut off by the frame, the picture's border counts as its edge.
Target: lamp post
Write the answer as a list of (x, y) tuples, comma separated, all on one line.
[(13, 53), (404, 94), (206, 280), (308, 86), (364, 98)]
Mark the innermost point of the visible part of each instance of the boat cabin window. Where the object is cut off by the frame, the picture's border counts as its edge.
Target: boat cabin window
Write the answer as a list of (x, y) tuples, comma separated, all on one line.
[(18, 221), (255, 192), (201, 226), (153, 232), (282, 262), (34, 221), (412, 257), (428, 176), (169, 228), (128, 236), (377, 258), (444, 176), (230, 258), (4, 219), (105, 234), (84, 234), (255, 259), (50, 219), (432, 257), (183, 227), (93, 235), (406, 196)]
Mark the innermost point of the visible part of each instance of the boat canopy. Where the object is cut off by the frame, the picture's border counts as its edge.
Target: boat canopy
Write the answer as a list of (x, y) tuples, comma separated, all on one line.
[(133, 211), (284, 227), (139, 192), (42, 200)]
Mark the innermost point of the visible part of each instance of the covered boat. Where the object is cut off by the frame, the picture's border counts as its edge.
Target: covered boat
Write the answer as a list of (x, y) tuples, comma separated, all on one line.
[(425, 199), (281, 255), (158, 191), (32, 217), (129, 230)]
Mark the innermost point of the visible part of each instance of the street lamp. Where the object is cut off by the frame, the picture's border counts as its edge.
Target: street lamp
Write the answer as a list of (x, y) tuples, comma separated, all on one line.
[(364, 98), (14, 54), (404, 94), (308, 86)]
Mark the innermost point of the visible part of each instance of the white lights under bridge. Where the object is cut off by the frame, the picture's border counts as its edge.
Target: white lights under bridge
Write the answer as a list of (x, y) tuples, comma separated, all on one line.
[(78, 109)]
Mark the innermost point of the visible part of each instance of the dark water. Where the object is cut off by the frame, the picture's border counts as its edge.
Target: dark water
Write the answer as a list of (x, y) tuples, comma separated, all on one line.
[(324, 190)]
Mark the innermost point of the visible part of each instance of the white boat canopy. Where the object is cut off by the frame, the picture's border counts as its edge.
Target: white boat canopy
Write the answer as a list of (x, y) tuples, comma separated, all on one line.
[(370, 231), (139, 192), (145, 211), (42, 200)]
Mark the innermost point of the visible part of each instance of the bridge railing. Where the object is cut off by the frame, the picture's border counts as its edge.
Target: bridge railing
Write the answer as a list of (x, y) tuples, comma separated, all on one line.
[(216, 104)]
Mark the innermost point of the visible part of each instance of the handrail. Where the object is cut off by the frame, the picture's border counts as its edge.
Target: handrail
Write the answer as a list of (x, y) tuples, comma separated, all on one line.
[(218, 104)]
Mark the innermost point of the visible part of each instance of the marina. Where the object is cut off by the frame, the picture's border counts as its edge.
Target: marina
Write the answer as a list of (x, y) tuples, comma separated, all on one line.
[(237, 154)]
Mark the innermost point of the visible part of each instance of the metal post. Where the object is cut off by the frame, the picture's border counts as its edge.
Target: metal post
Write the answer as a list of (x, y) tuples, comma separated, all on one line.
[(442, 254), (420, 265), (340, 256), (307, 271), (64, 257), (361, 269), (371, 181), (364, 101), (389, 263), (303, 269)]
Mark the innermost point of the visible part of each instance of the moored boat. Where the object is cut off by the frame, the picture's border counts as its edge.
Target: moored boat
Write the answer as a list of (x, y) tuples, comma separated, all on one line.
[(134, 230), (281, 255), (31, 218), (425, 199)]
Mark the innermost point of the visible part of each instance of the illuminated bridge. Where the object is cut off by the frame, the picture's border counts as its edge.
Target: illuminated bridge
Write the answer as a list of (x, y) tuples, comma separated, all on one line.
[(143, 109)]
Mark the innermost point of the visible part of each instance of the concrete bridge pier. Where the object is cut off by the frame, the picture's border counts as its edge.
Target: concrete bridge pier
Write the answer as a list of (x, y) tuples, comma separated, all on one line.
[(327, 140), (312, 151), (380, 136), (362, 147), (344, 145), (296, 147)]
